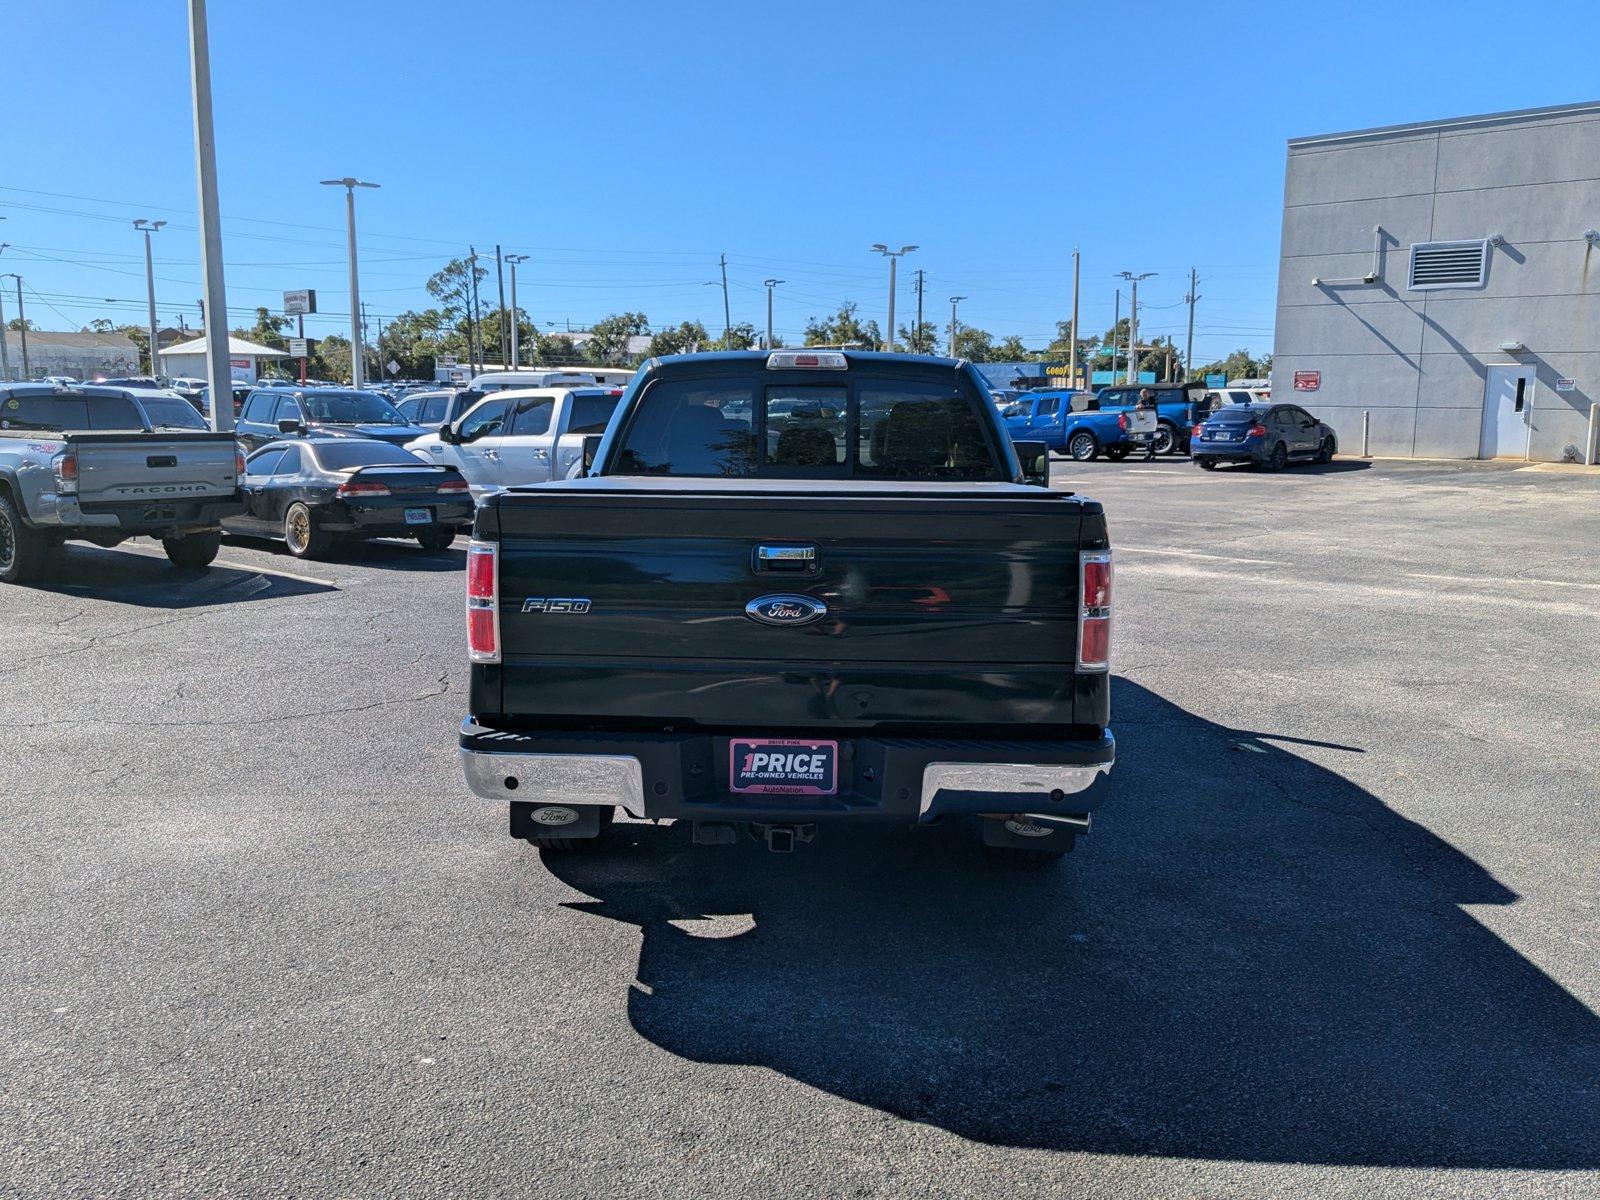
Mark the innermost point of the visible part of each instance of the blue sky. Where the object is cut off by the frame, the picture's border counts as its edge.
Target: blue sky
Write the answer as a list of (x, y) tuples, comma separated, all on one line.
[(624, 145)]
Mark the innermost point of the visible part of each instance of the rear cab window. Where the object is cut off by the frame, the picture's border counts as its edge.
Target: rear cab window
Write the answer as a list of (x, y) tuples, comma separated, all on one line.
[(872, 422), (46, 414)]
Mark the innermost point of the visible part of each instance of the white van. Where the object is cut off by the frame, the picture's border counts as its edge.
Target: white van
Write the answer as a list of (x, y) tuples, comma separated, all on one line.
[(499, 381)]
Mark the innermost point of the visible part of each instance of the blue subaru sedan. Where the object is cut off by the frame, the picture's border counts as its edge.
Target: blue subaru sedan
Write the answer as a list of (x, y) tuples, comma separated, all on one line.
[(1268, 435)]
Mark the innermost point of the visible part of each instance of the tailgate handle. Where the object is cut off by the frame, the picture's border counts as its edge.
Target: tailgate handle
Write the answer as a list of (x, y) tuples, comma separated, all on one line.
[(161, 460), (799, 560)]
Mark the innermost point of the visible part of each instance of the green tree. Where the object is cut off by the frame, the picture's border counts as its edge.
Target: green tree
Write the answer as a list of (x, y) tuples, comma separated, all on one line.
[(451, 286), (332, 360), (16, 324), (844, 328), (140, 337), (921, 340), (267, 331), (974, 345), (1241, 364), (687, 338), (609, 343), (740, 337), (1011, 349), (99, 325)]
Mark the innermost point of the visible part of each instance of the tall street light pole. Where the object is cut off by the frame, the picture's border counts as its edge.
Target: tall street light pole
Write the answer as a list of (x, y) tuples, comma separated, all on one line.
[(954, 300), (22, 324), (894, 257), (357, 346), (148, 227), (770, 284), (219, 375), (516, 321), (1133, 323), (1072, 353)]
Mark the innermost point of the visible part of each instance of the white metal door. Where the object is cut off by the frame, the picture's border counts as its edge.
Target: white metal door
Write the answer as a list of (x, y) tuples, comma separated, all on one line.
[(1507, 407)]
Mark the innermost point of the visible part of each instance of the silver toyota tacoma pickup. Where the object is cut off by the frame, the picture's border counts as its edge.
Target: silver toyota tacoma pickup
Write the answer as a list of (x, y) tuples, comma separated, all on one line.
[(103, 464)]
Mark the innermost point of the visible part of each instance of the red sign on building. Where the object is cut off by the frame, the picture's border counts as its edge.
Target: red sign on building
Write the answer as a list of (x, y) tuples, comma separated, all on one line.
[(1307, 381)]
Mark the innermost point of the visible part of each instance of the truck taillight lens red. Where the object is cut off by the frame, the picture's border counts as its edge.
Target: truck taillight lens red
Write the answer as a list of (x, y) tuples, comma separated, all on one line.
[(238, 462), (1094, 610), (483, 601), (66, 468), (1122, 420)]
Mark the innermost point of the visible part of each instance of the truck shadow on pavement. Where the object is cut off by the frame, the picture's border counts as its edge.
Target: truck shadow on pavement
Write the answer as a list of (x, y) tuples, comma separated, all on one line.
[(1251, 958), (150, 581)]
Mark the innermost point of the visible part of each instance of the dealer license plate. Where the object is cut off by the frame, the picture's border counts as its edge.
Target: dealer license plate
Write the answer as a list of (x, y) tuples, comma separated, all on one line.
[(419, 516), (783, 767)]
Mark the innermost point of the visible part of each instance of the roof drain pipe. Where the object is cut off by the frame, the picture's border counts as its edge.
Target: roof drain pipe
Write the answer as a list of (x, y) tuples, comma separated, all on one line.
[(1373, 276)]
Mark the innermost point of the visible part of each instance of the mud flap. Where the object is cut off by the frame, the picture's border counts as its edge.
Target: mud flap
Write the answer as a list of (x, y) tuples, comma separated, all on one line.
[(556, 820)]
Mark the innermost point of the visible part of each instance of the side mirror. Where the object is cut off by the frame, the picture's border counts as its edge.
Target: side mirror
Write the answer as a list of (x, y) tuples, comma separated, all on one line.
[(447, 435), (290, 426), (591, 447), (1035, 459)]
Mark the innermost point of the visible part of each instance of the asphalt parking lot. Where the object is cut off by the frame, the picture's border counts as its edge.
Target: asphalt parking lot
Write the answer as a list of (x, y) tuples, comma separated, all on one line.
[(1335, 934)]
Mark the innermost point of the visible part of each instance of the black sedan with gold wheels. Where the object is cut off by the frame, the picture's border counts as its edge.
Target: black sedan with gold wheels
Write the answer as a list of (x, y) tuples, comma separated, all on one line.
[(313, 493)]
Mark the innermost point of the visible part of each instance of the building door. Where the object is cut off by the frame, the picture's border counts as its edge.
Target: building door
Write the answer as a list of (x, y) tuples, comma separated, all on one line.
[(1507, 406)]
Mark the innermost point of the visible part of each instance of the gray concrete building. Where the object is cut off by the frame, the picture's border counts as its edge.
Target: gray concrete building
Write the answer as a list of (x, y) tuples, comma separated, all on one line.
[(1445, 277)]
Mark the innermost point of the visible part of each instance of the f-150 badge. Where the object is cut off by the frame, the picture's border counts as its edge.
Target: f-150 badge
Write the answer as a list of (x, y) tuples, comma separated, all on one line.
[(785, 610)]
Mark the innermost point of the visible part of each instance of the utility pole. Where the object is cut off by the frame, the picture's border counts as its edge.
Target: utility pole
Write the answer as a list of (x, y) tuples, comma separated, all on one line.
[(894, 257), (363, 341), (727, 311), (1188, 348), (954, 300), (770, 284), (1072, 354), (149, 227), (358, 352), (476, 336), (1116, 324), (916, 346), (5, 357), (500, 282), (516, 319), (218, 373), (1133, 323), (22, 324)]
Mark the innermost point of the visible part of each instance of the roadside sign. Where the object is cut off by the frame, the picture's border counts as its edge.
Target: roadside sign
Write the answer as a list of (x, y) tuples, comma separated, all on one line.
[(1307, 381), (444, 360), (300, 302), (299, 348), (1216, 381), (394, 367), (1566, 385)]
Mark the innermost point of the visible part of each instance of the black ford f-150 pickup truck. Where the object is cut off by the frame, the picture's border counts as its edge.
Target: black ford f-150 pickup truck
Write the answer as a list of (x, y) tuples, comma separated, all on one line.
[(793, 589)]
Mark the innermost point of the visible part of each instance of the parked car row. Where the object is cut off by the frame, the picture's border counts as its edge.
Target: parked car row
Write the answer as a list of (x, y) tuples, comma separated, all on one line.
[(1233, 425)]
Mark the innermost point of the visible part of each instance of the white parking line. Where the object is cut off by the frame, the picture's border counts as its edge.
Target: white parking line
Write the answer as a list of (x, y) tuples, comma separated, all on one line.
[(1255, 562), (1506, 580)]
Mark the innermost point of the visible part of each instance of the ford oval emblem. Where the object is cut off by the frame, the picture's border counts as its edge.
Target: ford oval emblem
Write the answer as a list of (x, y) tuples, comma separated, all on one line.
[(785, 610)]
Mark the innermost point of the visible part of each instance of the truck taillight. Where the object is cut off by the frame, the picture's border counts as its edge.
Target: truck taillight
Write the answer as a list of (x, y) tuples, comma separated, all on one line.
[(66, 468), (1122, 420), (238, 462), (1094, 610), (483, 601)]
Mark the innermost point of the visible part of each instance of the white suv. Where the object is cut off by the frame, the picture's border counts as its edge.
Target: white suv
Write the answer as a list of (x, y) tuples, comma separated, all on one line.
[(513, 437)]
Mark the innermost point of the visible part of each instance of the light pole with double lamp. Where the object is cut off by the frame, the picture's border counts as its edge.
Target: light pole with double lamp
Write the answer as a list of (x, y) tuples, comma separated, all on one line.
[(769, 284), (516, 322), (357, 348), (147, 227), (894, 257), (954, 300)]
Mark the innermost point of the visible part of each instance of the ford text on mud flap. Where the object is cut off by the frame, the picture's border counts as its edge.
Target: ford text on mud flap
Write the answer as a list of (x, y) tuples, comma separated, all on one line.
[(816, 589)]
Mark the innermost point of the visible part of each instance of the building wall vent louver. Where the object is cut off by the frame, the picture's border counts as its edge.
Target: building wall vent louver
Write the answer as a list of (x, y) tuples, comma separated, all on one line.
[(1436, 265)]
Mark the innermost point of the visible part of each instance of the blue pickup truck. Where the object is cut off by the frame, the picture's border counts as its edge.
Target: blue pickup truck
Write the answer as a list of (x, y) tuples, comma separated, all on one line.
[(1178, 407), (1048, 417)]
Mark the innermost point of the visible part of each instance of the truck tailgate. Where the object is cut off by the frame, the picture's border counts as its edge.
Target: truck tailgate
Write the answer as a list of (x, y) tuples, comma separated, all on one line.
[(947, 604), (115, 468)]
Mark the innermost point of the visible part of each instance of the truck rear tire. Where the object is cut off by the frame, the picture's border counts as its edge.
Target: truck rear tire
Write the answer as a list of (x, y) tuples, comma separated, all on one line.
[(24, 552), (1083, 446), (1166, 441), (193, 551)]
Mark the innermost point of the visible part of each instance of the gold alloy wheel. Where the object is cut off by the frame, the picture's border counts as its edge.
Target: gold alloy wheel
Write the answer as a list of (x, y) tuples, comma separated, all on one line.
[(297, 529)]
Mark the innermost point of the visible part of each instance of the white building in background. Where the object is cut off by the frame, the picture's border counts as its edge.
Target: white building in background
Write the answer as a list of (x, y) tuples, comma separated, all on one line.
[(1444, 278), (247, 360), (79, 355)]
